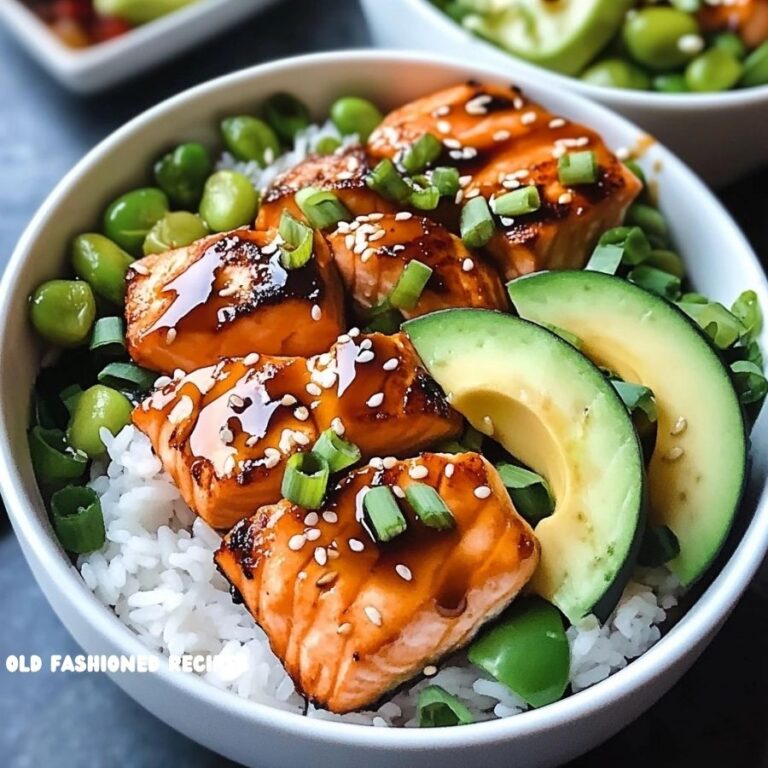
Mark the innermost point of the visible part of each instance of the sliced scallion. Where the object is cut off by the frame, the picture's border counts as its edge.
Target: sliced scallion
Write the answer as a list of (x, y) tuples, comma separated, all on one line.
[(635, 248), (126, 376), (386, 180), (606, 258), (659, 546), (77, 519), (305, 480), (383, 318), (69, 396), (636, 397), (473, 439), (322, 208), (108, 336), (410, 285), (438, 709), (425, 198), (723, 327), (476, 222), (576, 168), (571, 338), (422, 153), (747, 309), (529, 492), (53, 460), (749, 382), (298, 241), (654, 280), (429, 506), (338, 452), (383, 513), (518, 202), (446, 180)]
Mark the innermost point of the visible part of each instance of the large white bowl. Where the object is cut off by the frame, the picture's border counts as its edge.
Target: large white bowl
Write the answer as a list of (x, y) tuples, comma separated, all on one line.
[(721, 264), (721, 135)]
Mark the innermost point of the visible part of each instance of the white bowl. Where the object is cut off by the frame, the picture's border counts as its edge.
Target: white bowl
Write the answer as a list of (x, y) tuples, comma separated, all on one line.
[(99, 66), (721, 264), (721, 135)]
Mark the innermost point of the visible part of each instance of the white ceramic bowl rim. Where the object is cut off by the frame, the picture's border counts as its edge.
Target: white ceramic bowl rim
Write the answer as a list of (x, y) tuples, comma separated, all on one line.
[(705, 615), (621, 97)]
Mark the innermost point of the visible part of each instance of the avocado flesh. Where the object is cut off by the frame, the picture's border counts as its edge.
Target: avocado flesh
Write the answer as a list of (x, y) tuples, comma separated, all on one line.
[(698, 467), (562, 35), (553, 410)]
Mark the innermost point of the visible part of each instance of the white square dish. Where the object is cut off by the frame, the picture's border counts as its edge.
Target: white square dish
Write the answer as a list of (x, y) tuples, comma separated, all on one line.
[(86, 70)]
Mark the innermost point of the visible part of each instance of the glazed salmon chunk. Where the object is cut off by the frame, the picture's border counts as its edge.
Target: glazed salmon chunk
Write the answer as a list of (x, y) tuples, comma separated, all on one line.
[(372, 252), (748, 18), (501, 141), (224, 432), (229, 295), (351, 618)]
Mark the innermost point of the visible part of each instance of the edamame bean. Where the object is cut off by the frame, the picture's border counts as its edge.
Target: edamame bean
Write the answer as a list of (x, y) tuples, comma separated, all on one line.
[(327, 145), (97, 407), (616, 73), (174, 230), (229, 201), (671, 83), (667, 261), (715, 70), (102, 264), (731, 43), (351, 114), (128, 220), (181, 174), (756, 67), (63, 311), (661, 38), (286, 114), (249, 138)]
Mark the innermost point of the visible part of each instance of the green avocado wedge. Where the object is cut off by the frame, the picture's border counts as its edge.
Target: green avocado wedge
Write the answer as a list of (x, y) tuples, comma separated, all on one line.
[(698, 468), (551, 408), (562, 35)]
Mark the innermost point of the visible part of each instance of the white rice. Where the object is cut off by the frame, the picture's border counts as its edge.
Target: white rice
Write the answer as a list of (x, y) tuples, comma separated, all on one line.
[(156, 570)]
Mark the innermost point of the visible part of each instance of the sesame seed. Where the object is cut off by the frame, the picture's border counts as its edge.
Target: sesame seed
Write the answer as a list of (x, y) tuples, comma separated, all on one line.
[(343, 339), (556, 122), (389, 462), (316, 312), (301, 413), (373, 615), (365, 356), (375, 400), (300, 438), (477, 106), (565, 199), (398, 491), (321, 556), (449, 470), (502, 135), (376, 463), (251, 359), (311, 518), (356, 545), (354, 332), (528, 118), (443, 126), (418, 472), (332, 553), (313, 389), (367, 254), (139, 269), (235, 401), (452, 143), (170, 337), (313, 534), (327, 579), (404, 572), (467, 265), (288, 400), (344, 629), (296, 542), (182, 410), (349, 241), (162, 381), (403, 216), (442, 111), (390, 364), (673, 454), (226, 435), (229, 465), (430, 670), (482, 492), (375, 216), (337, 425), (271, 456), (330, 517), (472, 193), (302, 575), (680, 426)]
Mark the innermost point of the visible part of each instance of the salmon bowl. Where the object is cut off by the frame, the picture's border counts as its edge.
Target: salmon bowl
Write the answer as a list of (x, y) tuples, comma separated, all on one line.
[(144, 580)]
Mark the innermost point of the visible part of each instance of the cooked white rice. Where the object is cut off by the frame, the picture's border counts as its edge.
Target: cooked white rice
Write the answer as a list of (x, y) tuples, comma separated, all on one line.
[(156, 570)]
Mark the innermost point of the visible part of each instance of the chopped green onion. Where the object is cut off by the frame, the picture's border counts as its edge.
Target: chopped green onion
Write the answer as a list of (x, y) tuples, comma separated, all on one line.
[(654, 280), (476, 223), (383, 513), (529, 492), (425, 198), (576, 168), (69, 396), (635, 168), (446, 180), (659, 546), (637, 397), (327, 145), (286, 114), (667, 261), (749, 382), (473, 439), (305, 480), (108, 336), (438, 709), (754, 354), (126, 376), (53, 460), (422, 153), (299, 239), (694, 298), (633, 243), (429, 506), (383, 318), (747, 309), (322, 208), (387, 181), (571, 338), (78, 520), (450, 446), (649, 220), (41, 415), (606, 258), (338, 452), (715, 320), (518, 202), (410, 285)]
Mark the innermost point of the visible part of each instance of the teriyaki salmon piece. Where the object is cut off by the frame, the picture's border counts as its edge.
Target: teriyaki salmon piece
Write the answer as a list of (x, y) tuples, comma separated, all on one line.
[(350, 616), (747, 18), (228, 295)]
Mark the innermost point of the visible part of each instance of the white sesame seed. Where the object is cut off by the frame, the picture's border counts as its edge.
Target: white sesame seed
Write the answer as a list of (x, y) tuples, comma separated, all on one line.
[(467, 265), (680, 426), (375, 400), (182, 410), (452, 143), (139, 269), (673, 454), (366, 344), (313, 534), (391, 364), (313, 389), (251, 359), (354, 332), (162, 381), (442, 111), (373, 615), (337, 425), (301, 413), (482, 492), (430, 670), (389, 462), (376, 463), (311, 518), (449, 470), (170, 337), (528, 118), (365, 356), (327, 578), (565, 199), (226, 435), (332, 553), (404, 572), (300, 438), (235, 401), (229, 465), (330, 517), (316, 312), (556, 122), (356, 545), (501, 135), (288, 400), (368, 254), (443, 126), (403, 216), (398, 491), (321, 556), (302, 575), (343, 339), (418, 472), (344, 629), (296, 542), (349, 241)]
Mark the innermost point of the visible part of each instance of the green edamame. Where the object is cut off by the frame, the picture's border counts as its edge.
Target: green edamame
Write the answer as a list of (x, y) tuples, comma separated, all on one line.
[(656, 37), (63, 311), (249, 138), (731, 43), (671, 83), (756, 67), (229, 201), (327, 145), (351, 114), (102, 264), (715, 70), (617, 73), (286, 114), (181, 174), (174, 230), (129, 218), (97, 407)]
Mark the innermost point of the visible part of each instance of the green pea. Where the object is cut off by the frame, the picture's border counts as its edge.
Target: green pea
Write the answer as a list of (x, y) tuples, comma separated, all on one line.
[(731, 43), (63, 311), (249, 138), (181, 174), (286, 114), (128, 220), (756, 67), (617, 73), (671, 83), (354, 115), (715, 70), (229, 201), (654, 37), (174, 230), (102, 264), (97, 407), (327, 145)]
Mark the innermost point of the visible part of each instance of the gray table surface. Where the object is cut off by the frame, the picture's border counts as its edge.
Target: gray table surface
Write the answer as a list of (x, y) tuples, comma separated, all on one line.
[(717, 713)]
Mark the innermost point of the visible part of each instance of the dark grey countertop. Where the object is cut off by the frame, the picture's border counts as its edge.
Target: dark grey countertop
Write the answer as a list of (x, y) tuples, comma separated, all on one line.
[(717, 713)]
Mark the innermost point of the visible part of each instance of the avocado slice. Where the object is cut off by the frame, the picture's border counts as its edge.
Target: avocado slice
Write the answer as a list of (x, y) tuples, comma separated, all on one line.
[(698, 468), (550, 407), (562, 35)]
